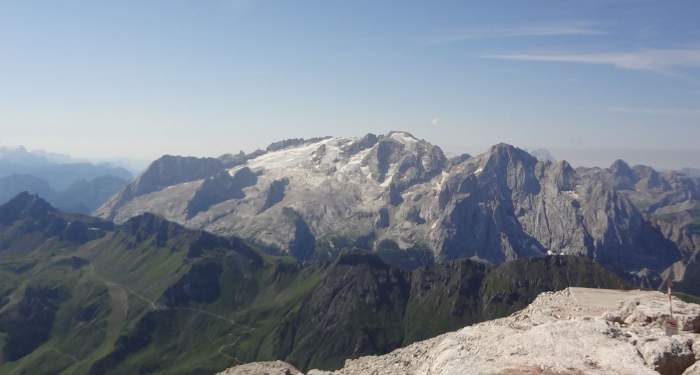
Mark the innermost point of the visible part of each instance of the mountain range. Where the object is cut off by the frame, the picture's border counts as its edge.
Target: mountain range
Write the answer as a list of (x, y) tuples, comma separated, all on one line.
[(72, 185), (402, 198), (315, 251), (81, 295)]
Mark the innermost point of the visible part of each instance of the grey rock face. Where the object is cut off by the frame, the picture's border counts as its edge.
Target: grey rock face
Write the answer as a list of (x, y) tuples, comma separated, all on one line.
[(500, 205), (275, 193), (303, 242), (219, 188), (363, 143), (667, 355), (170, 170), (162, 173)]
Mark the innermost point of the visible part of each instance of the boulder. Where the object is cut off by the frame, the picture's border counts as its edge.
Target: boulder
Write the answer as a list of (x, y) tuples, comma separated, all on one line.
[(667, 355)]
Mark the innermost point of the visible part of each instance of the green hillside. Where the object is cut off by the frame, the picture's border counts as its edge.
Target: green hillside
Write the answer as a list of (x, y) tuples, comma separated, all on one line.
[(81, 296)]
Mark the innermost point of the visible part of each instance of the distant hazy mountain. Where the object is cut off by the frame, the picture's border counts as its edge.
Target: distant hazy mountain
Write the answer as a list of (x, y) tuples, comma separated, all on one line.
[(401, 197), (12, 185), (60, 171), (692, 172), (70, 185), (82, 196)]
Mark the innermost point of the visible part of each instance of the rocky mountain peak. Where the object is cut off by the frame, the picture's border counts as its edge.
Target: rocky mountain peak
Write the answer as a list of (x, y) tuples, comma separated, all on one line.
[(169, 170), (403, 137), (25, 205), (510, 152), (501, 157), (293, 142), (621, 168), (564, 175), (624, 176), (32, 215), (166, 171), (400, 159), (510, 166), (358, 145), (147, 225)]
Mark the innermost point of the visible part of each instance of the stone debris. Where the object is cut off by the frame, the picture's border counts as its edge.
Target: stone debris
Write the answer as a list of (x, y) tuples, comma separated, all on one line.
[(263, 368), (574, 331), (693, 370)]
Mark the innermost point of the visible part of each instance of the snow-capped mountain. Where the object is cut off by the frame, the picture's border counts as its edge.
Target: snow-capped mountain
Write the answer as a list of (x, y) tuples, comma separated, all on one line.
[(397, 192)]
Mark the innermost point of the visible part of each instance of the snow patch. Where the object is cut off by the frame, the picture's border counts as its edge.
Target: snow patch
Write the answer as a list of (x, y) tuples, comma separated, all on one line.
[(404, 138)]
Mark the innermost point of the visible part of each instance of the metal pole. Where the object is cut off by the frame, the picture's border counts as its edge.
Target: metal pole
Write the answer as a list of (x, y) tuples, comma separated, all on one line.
[(669, 284)]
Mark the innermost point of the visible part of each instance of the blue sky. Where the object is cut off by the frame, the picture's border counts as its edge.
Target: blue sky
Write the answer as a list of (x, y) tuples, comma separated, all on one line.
[(590, 80)]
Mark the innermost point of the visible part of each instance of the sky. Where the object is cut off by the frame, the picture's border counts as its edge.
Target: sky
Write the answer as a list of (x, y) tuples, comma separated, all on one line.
[(591, 80)]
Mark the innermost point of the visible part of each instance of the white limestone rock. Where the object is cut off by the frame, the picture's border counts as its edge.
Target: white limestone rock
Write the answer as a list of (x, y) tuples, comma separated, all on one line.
[(262, 368), (574, 331)]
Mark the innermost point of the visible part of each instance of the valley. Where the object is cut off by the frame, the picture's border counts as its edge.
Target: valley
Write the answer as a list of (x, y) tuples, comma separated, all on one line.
[(151, 296)]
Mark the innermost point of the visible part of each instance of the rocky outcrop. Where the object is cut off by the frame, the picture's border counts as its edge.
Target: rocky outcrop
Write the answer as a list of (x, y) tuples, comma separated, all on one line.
[(267, 368), (26, 205), (574, 331), (33, 220)]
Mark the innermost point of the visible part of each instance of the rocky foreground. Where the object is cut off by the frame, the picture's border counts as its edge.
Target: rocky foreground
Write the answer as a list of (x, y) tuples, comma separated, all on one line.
[(574, 331)]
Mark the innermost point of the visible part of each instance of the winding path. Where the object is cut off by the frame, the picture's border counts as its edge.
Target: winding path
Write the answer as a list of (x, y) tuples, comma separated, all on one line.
[(153, 305)]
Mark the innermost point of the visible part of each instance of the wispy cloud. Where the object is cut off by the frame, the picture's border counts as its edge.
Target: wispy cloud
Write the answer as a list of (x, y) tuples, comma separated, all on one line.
[(435, 121), (675, 112), (541, 30), (643, 59)]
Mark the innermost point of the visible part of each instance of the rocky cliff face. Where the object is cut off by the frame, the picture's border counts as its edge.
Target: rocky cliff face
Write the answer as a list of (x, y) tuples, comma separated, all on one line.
[(161, 174), (394, 191), (363, 306), (575, 331)]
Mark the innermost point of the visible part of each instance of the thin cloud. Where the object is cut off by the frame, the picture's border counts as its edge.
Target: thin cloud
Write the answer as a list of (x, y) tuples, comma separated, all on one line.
[(644, 59), (435, 121), (676, 112), (543, 30)]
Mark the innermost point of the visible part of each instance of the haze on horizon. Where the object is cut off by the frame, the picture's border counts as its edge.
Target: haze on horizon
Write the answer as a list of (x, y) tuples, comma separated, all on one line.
[(591, 81)]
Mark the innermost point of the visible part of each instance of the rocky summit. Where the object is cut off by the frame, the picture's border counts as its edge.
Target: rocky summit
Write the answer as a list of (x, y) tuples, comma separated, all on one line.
[(573, 331), (399, 195)]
